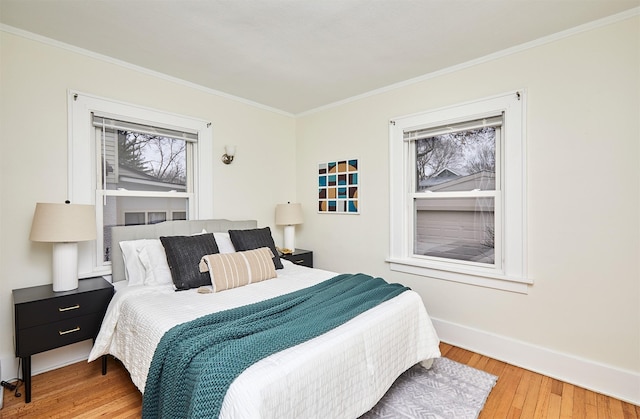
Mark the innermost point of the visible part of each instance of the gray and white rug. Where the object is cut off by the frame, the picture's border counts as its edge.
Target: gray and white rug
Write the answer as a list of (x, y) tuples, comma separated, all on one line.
[(447, 390)]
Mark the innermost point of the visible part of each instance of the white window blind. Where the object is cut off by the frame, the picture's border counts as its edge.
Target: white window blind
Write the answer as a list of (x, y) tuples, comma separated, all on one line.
[(419, 134), (110, 123)]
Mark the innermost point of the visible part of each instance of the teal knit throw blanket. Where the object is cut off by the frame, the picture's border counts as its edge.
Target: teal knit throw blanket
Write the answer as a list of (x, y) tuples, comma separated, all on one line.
[(196, 362)]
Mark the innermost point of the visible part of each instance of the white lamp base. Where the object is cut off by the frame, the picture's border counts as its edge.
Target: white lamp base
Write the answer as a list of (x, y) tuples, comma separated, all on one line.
[(65, 266), (289, 237)]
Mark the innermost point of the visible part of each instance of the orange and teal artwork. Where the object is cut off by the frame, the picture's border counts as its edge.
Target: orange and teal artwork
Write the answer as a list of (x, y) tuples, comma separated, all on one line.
[(338, 183)]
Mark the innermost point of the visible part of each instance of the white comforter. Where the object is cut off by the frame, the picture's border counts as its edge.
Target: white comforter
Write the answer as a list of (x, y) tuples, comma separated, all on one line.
[(341, 374)]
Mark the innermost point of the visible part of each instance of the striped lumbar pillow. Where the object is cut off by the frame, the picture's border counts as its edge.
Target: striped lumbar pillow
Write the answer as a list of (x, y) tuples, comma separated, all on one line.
[(231, 270)]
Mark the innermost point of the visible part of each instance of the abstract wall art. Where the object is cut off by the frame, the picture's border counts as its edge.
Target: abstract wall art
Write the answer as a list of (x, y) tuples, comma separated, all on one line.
[(338, 183)]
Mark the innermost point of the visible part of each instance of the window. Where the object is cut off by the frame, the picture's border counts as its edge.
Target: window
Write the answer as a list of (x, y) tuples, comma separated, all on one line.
[(458, 191), (138, 166), (144, 173)]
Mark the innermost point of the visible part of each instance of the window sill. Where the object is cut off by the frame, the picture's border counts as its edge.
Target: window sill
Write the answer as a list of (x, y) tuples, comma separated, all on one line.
[(465, 276)]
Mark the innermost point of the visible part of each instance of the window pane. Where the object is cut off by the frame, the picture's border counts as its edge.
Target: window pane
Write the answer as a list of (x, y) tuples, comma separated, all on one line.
[(126, 210), (157, 217), (462, 161), (134, 218), (179, 215), (455, 228), (142, 162)]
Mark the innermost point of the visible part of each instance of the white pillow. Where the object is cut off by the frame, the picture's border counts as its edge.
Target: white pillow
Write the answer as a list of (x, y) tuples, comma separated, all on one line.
[(224, 243), (146, 263), (154, 261), (134, 271)]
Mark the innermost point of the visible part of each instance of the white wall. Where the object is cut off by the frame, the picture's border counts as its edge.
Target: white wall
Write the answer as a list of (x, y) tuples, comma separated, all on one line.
[(583, 156), (34, 80)]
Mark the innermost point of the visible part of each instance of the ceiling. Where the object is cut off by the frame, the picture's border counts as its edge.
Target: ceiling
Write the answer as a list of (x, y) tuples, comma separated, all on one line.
[(298, 55)]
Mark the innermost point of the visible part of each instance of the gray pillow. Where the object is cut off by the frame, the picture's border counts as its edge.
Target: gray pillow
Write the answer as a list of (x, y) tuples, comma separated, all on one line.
[(183, 256), (254, 239)]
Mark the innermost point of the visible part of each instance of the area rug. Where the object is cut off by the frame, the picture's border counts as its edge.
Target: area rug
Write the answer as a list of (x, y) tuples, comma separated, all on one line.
[(447, 390)]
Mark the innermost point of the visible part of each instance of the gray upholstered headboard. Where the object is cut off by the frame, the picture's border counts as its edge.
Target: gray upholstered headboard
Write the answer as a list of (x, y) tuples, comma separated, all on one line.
[(168, 228)]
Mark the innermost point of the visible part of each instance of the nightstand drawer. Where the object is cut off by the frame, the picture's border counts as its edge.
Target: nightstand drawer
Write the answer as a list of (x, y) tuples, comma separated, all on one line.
[(304, 260), (300, 257), (54, 335), (62, 308)]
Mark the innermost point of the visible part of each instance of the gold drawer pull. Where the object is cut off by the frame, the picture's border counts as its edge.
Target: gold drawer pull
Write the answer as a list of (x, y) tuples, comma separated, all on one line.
[(76, 329), (69, 308), (299, 261)]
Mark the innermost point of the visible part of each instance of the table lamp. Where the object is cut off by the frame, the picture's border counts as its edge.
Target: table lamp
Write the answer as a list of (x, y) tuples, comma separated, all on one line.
[(64, 225), (289, 215)]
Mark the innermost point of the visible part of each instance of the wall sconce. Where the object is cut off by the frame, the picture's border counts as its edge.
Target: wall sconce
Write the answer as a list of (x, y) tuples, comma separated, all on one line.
[(229, 152), (64, 225)]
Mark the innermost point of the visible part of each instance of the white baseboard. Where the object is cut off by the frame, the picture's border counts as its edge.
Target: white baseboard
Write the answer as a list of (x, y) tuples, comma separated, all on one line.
[(601, 378)]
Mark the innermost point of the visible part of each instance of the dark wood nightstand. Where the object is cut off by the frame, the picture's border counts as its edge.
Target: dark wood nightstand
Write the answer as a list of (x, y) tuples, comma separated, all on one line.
[(47, 320), (300, 257)]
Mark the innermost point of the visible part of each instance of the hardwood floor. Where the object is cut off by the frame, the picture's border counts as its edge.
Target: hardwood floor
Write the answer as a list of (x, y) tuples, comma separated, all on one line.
[(524, 394), (80, 391)]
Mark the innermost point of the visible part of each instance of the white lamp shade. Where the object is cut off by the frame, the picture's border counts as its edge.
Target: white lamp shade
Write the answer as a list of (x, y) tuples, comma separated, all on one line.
[(288, 214), (59, 223)]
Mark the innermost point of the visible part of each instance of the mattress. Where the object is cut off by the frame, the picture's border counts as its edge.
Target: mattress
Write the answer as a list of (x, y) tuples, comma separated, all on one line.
[(342, 373)]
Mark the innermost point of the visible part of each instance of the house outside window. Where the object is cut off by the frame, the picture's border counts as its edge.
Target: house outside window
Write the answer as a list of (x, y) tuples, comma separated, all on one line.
[(137, 166), (458, 191)]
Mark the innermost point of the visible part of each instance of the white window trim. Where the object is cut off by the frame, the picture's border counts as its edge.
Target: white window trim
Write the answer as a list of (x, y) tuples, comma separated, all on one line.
[(512, 275), (81, 160)]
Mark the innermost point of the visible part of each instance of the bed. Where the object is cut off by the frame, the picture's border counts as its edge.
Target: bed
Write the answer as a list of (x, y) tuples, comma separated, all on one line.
[(340, 374)]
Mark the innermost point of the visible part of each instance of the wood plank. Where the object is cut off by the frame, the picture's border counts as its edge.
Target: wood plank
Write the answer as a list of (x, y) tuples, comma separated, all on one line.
[(566, 406), (592, 412), (591, 397), (603, 405), (459, 355), (479, 362), (514, 413), (522, 390), (579, 402), (444, 348), (499, 392), (555, 401), (556, 387), (629, 411), (542, 405), (474, 360), (533, 394), (511, 378), (615, 408)]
